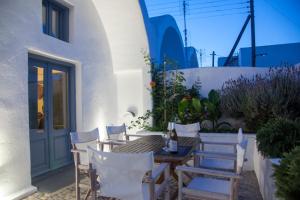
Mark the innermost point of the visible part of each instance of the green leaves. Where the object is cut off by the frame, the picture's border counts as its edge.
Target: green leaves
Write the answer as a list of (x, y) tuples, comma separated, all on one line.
[(196, 104), (214, 97), (189, 110), (287, 176), (277, 137), (212, 108)]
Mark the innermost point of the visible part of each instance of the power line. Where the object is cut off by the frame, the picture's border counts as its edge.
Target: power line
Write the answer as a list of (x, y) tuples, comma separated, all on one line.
[(178, 1), (221, 10), (164, 3), (215, 16), (193, 11), (207, 2), (215, 11), (221, 5), (192, 7)]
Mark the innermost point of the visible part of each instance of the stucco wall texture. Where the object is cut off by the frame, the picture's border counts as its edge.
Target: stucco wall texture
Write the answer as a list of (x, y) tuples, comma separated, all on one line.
[(106, 39)]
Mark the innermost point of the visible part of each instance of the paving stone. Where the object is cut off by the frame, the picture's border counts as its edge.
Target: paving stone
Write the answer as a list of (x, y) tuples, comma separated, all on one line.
[(249, 190)]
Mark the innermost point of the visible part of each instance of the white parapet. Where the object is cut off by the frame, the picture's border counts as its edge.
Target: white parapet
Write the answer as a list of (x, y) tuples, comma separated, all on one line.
[(264, 170)]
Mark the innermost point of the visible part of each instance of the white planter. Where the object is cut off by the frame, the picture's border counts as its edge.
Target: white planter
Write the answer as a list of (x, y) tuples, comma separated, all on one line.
[(264, 170)]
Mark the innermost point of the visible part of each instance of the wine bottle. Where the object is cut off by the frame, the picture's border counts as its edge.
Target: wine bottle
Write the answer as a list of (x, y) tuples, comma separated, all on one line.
[(173, 144)]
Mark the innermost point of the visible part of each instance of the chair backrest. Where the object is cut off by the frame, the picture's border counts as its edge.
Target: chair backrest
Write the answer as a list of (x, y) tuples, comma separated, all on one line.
[(187, 130), (121, 174), (241, 153), (80, 141), (116, 132), (240, 136)]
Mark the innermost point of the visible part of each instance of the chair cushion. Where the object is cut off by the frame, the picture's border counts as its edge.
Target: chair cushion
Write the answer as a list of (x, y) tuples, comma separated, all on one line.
[(210, 185), (217, 163)]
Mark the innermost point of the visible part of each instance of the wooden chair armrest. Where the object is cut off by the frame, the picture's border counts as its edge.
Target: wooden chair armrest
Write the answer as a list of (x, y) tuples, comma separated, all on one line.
[(113, 142), (78, 151), (219, 143), (210, 172), (158, 171), (210, 154), (83, 167), (135, 135)]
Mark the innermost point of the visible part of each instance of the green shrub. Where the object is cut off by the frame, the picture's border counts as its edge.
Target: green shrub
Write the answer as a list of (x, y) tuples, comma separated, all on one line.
[(287, 176), (167, 90), (258, 99), (277, 137), (189, 110)]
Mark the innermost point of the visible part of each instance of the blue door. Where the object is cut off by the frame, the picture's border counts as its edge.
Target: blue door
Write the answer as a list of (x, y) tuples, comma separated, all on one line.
[(51, 114)]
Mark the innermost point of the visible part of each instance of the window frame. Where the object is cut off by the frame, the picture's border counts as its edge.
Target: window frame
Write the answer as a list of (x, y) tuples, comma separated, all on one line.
[(63, 20)]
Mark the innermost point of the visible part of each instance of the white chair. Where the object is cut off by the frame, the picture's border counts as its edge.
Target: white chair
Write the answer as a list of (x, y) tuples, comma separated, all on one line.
[(212, 184), (80, 141), (188, 130), (116, 135), (127, 176), (218, 145), (222, 161)]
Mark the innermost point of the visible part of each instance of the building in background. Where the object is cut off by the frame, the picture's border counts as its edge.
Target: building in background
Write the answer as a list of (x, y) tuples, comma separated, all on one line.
[(166, 42), (266, 56)]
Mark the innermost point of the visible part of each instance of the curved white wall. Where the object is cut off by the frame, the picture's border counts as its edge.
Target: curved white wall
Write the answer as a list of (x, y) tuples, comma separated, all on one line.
[(123, 21), (105, 46)]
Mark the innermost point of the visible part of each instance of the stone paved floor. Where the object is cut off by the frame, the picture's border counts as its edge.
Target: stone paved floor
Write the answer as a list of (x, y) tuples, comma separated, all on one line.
[(248, 189)]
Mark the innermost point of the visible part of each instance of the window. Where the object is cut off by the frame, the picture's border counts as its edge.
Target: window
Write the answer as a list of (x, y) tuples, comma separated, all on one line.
[(55, 20)]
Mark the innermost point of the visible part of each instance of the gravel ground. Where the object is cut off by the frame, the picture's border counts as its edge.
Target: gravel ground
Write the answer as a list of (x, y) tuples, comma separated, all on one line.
[(248, 190)]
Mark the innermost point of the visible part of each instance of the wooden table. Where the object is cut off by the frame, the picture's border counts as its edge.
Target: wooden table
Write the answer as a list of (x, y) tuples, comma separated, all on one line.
[(155, 143)]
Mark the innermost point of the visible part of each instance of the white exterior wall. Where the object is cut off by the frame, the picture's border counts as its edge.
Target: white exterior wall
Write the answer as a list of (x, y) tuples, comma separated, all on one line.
[(99, 52), (215, 77)]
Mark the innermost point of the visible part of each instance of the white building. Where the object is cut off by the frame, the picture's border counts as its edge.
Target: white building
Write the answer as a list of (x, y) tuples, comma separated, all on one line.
[(278, 55), (69, 65)]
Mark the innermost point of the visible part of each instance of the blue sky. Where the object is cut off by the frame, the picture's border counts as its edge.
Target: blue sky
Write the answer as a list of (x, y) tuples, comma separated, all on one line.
[(215, 24)]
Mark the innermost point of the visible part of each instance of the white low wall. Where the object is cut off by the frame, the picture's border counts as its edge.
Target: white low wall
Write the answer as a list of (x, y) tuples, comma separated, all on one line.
[(215, 77), (264, 170)]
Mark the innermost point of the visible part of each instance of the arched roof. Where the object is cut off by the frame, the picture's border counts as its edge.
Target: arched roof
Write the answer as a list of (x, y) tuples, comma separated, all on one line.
[(167, 39), (191, 60)]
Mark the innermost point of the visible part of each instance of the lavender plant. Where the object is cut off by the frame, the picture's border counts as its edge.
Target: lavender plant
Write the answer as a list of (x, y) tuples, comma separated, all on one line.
[(263, 97)]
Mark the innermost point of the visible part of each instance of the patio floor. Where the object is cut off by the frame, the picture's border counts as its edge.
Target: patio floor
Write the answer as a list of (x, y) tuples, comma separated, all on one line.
[(60, 186)]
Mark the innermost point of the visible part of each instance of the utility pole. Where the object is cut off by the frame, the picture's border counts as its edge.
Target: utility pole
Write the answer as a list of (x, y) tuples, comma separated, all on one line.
[(253, 44), (185, 30), (213, 58), (184, 18), (200, 56), (250, 19), (228, 60)]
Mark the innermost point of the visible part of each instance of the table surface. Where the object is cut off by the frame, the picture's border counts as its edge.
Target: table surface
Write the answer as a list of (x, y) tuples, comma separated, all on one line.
[(155, 143)]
